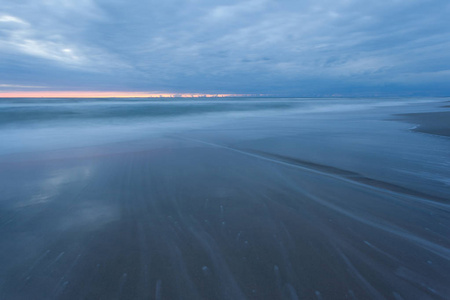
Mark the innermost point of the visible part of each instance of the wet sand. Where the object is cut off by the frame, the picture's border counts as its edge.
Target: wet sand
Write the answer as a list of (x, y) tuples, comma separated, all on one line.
[(433, 123), (198, 221), (222, 214)]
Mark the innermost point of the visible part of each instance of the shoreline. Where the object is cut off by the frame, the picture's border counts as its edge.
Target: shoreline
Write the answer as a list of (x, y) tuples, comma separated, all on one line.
[(436, 123)]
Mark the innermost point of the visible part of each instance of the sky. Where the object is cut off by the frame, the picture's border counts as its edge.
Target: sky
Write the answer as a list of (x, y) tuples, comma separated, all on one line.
[(262, 47)]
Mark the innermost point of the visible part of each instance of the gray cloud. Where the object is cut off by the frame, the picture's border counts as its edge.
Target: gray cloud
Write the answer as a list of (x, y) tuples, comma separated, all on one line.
[(254, 46)]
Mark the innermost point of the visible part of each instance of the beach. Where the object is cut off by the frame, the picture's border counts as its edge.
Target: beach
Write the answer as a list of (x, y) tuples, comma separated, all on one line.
[(434, 123), (235, 199)]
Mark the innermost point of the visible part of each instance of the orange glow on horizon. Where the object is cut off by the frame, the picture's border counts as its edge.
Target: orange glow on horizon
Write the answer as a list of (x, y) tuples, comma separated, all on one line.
[(112, 94)]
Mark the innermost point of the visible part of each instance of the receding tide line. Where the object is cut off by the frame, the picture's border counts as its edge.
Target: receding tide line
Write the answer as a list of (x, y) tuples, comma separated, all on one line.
[(347, 176), (435, 248)]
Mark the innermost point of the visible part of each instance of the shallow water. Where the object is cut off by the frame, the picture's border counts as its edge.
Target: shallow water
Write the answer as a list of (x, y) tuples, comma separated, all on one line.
[(222, 199)]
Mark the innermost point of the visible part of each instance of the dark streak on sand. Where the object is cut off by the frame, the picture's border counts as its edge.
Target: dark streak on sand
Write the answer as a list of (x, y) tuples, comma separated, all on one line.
[(352, 176), (437, 123), (331, 171)]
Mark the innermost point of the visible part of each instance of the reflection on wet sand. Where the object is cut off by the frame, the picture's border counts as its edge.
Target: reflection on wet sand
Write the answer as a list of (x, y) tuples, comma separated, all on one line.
[(206, 222)]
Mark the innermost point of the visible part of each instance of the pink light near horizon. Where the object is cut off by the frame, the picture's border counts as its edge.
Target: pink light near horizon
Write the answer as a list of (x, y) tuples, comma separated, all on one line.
[(108, 94)]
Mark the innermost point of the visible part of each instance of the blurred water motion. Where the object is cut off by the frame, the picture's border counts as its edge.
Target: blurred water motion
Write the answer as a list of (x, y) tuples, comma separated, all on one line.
[(223, 199)]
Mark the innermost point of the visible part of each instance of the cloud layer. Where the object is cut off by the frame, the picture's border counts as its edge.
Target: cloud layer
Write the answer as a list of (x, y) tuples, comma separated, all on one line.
[(292, 48)]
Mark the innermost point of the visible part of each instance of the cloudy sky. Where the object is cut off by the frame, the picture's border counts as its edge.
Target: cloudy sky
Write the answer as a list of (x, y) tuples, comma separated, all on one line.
[(276, 47)]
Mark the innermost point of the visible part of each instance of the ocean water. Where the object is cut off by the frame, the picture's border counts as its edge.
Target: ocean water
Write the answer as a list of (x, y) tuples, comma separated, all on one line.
[(356, 134), (33, 124), (238, 198)]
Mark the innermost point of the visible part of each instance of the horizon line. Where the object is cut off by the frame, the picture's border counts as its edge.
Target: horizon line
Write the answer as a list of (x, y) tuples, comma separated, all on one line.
[(155, 95), (115, 94)]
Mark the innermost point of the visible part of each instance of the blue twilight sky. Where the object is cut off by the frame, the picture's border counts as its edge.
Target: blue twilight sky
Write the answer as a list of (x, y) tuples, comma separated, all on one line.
[(279, 47)]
